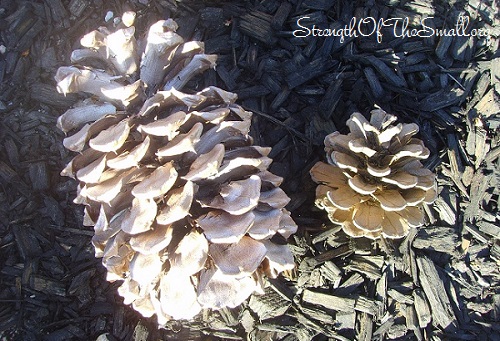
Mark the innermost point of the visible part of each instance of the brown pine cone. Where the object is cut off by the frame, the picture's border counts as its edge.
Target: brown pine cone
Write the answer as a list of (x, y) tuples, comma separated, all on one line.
[(182, 204), (374, 184)]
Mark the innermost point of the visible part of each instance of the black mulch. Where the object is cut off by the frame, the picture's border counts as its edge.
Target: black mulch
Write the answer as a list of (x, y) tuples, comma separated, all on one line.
[(442, 282)]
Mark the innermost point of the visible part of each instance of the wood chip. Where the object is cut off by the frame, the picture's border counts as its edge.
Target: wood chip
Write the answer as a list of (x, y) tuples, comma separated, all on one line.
[(432, 285)]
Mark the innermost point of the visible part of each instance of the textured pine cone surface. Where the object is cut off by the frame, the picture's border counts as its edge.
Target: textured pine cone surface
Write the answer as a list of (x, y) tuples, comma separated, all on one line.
[(374, 184), (182, 204)]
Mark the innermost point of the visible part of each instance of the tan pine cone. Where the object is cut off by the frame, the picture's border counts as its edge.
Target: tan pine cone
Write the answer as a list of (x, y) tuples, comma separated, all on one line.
[(182, 203), (374, 184)]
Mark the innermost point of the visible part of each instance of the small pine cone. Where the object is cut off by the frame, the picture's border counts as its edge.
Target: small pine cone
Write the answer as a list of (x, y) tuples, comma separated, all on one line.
[(374, 184), (182, 204)]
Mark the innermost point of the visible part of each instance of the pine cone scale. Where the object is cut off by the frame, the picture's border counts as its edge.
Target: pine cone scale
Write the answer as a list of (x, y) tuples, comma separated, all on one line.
[(236, 226), (368, 216), (152, 241), (177, 206), (361, 185), (344, 197), (238, 259), (401, 179)]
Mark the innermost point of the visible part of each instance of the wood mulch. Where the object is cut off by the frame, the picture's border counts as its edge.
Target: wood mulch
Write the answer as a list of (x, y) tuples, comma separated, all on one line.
[(440, 282)]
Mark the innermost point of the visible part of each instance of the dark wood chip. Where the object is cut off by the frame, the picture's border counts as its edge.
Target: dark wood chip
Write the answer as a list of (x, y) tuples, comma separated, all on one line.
[(433, 287)]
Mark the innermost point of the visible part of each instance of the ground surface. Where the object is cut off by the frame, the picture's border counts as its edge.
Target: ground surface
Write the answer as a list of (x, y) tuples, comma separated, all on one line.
[(441, 282)]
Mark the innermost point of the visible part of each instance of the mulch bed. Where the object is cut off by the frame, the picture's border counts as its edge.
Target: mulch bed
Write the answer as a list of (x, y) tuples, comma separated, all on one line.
[(440, 282)]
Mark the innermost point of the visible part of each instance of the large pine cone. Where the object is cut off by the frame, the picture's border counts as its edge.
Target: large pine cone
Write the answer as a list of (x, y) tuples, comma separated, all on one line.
[(182, 204), (374, 183)]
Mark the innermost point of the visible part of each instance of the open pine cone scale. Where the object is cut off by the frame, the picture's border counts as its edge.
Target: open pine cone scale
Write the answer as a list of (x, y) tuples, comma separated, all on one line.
[(182, 204), (374, 183)]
